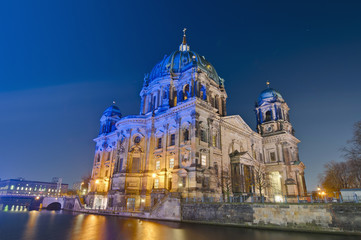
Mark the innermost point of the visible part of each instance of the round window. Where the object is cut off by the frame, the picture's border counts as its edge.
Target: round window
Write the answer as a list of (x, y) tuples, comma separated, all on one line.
[(137, 139)]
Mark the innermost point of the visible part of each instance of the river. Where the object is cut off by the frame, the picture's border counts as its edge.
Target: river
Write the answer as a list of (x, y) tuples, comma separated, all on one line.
[(52, 225)]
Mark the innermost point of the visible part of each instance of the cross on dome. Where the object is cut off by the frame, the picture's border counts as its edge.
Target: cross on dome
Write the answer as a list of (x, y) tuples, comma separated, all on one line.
[(184, 47), (184, 36)]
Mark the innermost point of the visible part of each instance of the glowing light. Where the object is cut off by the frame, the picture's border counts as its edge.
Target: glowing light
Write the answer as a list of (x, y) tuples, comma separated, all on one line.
[(154, 175), (97, 181), (278, 198)]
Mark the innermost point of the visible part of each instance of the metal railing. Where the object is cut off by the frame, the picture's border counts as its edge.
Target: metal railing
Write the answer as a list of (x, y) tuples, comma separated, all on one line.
[(274, 199)]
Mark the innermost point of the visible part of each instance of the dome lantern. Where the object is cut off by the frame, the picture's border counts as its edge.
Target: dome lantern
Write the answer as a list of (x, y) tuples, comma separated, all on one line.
[(180, 61)]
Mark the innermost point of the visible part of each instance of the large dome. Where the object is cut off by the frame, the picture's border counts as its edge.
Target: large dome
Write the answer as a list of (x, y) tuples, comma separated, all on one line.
[(269, 95), (182, 60)]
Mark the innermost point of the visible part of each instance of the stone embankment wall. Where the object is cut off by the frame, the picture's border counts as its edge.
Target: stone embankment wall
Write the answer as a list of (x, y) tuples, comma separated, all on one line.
[(72, 204), (304, 217), (168, 209)]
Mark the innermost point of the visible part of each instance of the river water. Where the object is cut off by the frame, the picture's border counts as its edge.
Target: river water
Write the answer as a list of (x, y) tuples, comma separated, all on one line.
[(51, 225)]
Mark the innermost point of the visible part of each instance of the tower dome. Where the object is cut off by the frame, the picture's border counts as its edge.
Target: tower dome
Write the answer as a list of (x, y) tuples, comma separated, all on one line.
[(180, 61), (109, 117), (269, 95), (272, 112), (112, 111)]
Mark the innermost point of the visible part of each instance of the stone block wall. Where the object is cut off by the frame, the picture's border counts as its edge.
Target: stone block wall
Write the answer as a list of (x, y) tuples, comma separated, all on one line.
[(304, 217), (168, 209)]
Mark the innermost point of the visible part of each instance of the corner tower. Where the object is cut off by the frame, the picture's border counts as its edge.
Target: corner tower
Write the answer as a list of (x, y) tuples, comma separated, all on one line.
[(110, 116), (280, 146), (104, 158), (272, 113)]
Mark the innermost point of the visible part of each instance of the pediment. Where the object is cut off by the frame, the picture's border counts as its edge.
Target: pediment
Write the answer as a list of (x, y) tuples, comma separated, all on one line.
[(237, 121), (241, 157)]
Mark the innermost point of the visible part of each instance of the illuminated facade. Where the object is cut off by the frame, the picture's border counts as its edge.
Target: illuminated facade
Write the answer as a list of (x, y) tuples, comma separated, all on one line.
[(183, 143), (23, 187)]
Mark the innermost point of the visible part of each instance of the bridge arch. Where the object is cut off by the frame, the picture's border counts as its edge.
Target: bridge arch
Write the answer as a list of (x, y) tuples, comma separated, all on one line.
[(54, 206)]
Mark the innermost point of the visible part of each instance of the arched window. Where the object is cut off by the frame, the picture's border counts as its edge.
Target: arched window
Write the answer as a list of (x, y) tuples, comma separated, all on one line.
[(174, 98), (268, 116), (203, 135), (154, 100), (186, 135), (203, 93), (216, 102), (224, 112), (279, 111), (214, 140), (186, 93)]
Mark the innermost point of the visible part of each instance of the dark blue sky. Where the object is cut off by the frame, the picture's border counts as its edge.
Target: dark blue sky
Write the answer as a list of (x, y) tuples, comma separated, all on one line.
[(63, 62)]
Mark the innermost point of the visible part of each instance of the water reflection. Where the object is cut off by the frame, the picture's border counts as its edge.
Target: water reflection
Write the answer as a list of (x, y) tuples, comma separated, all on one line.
[(47, 225), (30, 228)]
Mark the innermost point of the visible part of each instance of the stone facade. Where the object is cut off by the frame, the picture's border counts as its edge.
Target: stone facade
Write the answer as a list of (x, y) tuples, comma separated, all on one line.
[(183, 143)]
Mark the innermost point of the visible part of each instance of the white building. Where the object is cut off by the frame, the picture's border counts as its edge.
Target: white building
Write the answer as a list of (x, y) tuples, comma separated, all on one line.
[(183, 142)]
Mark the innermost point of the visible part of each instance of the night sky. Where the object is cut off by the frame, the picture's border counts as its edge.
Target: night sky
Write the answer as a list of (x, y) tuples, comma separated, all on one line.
[(62, 63)]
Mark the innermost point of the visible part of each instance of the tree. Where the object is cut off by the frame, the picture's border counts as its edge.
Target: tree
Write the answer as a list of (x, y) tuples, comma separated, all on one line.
[(347, 174), (85, 183), (337, 176), (225, 181), (352, 153), (261, 179), (353, 150)]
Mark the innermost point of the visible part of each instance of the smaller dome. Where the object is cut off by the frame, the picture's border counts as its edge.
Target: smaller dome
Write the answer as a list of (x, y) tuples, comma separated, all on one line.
[(112, 111), (269, 95)]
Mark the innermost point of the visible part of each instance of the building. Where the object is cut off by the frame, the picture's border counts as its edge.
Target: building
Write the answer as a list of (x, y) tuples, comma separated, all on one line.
[(351, 195), (22, 187), (183, 143)]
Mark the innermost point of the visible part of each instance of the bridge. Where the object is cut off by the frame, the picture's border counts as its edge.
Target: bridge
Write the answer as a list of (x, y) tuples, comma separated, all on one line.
[(58, 203), (53, 203)]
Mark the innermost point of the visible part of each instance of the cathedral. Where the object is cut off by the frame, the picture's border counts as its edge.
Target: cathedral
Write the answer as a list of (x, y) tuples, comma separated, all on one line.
[(184, 144)]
